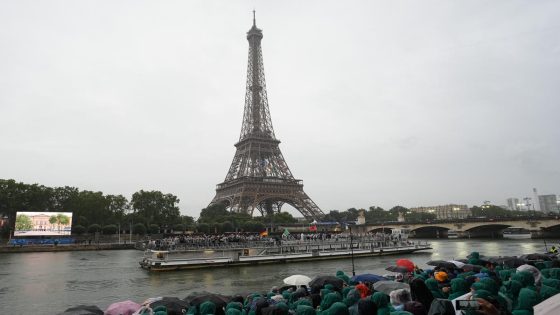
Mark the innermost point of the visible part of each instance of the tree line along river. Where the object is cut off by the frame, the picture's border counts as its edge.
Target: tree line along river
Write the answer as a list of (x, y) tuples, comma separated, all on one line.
[(50, 282)]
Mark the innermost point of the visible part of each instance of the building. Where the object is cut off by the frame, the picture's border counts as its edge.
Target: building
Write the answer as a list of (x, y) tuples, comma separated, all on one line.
[(445, 212), (513, 204), (548, 203)]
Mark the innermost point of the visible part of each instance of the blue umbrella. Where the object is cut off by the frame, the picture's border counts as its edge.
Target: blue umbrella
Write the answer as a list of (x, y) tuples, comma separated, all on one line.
[(368, 277)]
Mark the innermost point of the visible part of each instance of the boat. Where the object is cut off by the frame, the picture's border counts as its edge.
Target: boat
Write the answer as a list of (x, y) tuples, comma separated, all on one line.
[(452, 234), (400, 234), (516, 233), (163, 260)]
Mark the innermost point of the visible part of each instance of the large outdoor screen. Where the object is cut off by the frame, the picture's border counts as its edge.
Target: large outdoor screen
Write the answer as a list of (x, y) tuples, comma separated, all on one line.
[(43, 223)]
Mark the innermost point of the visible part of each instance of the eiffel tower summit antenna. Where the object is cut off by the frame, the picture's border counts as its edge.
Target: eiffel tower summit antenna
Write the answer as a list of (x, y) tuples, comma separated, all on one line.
[(259, 177)]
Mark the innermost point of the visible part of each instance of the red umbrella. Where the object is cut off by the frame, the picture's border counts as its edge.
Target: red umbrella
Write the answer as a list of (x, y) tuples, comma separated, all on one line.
[(409, 265)]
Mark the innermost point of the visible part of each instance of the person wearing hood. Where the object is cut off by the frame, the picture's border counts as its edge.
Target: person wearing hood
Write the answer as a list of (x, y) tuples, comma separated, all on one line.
[(474, 259), (420, 292), (398, 298), (382, 301), (363, 289), (342, 276), (432, 285), (207, 308), (534, 271), (305, 310), (351, 301), (526, 278), (338, 308), (459, 287), (329, 300), (525, 302)]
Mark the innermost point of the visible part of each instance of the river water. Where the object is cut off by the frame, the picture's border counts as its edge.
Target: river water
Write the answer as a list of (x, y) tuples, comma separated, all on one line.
[(49, 283)]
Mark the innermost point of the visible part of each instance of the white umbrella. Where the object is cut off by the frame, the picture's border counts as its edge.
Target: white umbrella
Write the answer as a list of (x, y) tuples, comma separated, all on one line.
[(457, 263), (297, 280), (388, 286), (549, 306)]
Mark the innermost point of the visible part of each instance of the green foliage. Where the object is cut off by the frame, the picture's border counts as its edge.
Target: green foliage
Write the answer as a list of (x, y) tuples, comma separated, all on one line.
[(253, 226), (139, 229), (23, 223), (78, 229), (153, 228), (179, 227), (89, 207), (203, 228), (156, 207), (94, 228), (227, 227), (110, 229), (415, 217)]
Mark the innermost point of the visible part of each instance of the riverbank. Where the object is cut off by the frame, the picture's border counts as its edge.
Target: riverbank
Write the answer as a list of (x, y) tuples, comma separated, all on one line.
[(63, 248)]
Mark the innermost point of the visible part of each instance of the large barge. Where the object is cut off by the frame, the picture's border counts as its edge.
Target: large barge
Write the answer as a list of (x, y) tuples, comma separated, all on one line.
[(155, 260)]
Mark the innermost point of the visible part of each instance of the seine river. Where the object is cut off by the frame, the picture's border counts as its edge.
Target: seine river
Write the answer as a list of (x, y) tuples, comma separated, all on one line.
[(48, 283)]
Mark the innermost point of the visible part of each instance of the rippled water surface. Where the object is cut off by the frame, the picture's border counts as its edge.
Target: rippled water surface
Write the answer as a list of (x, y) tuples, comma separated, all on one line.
[(48, 283)]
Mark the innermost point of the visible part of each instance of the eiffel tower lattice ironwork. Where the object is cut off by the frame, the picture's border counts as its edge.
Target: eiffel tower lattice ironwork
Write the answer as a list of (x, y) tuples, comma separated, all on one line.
[(259, 177)]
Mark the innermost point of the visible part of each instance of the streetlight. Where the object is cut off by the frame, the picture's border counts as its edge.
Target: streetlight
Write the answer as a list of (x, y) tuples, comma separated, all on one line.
[(351, 249)]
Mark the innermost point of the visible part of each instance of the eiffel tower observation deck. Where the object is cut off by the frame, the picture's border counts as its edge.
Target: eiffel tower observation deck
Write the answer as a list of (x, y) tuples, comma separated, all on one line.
[(259, 177)]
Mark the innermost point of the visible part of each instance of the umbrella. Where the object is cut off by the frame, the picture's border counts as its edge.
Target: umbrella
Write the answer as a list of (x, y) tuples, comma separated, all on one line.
[(549, 306), (297, 280), (510, 261), (83, 310), (399, 269), (458, 264), (388, 286), (320, 282), (174, 305), (122, 308), (441, 264), (406, 263), (469, 267), (536, 256), (368, 277)]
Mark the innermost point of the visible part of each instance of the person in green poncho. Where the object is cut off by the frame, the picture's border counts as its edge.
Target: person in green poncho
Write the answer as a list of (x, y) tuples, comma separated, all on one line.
[(305, 310), (329, 300), (525, 302), (382, 301), (432, 285), (207, 308), (459, 287), (338, 308)]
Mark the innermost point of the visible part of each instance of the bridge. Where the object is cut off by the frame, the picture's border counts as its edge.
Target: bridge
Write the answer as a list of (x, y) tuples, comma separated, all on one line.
[(539, 226)]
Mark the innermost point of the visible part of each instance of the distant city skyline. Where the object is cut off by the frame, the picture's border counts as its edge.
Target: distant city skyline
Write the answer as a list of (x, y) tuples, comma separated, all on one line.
[(376, 103)]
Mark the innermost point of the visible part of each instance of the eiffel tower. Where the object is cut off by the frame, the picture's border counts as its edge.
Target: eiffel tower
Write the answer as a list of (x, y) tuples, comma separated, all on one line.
[(259, 177)]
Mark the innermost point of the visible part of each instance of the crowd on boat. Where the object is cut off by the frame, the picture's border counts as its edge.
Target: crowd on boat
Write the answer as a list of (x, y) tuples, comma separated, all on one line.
[(231, 239), (524, 285)]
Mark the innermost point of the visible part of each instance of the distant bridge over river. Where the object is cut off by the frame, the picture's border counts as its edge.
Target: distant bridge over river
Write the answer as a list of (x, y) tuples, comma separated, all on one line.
[(539, 226)]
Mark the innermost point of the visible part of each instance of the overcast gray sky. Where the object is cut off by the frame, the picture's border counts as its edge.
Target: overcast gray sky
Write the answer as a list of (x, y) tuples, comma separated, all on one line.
[(376, 102)]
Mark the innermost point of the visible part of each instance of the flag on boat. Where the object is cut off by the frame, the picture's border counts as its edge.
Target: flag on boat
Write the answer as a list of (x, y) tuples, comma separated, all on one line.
[(286, 232), (313, 228), (263, 233)]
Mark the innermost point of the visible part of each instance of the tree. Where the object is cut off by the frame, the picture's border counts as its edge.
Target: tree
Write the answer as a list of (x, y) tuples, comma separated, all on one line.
[(110, 229), (203, 228), (156, 207), (78, 229), (139, 228), (179, 227), (153, 228), (23, 223), (94, 228)]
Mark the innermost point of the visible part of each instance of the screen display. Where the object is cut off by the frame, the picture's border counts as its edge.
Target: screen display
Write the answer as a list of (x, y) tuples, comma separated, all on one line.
[(43, 223)]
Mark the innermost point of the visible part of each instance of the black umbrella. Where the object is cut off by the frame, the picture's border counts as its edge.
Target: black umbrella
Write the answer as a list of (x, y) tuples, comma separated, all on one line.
[(509, 261), (219, 300), (399, 269), (536, 257), (175, 306), (83, 310), (442, 264), (469, 267), (321, 281)]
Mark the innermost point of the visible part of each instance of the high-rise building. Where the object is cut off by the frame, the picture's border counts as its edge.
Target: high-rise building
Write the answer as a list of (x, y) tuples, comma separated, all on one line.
[(548, 203), (536, 205), (513, 204), (445, 212)]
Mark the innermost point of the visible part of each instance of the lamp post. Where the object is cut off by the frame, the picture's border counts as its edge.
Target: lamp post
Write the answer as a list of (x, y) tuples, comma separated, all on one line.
[(351, 250)]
